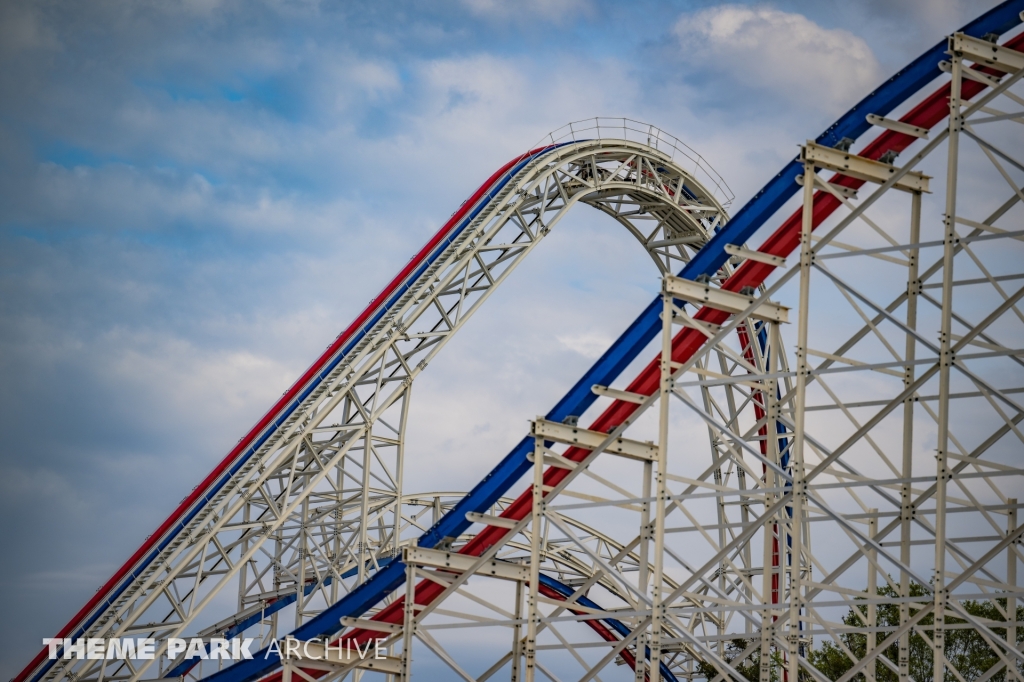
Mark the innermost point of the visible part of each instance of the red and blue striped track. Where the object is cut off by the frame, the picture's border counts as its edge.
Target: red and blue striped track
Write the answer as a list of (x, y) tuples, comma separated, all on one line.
[(749, 219), (286, 405), (932, 110)]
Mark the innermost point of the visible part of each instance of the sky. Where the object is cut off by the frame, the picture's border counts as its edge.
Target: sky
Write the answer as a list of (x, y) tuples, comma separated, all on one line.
[(196, 196)]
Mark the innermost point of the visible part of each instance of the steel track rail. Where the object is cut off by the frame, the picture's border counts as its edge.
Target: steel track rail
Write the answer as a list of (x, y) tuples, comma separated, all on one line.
[(901, 87), (278, 415), (365, 341), (750, 218)]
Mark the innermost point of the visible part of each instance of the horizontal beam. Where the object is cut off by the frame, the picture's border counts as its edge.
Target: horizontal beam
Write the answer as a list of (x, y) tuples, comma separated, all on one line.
[(453, 561), (591, 440), (861, 167), (372, 625), (616, 394), (720, 299), (689, 239), (898, 126), (556, 461), (984, 52), (488, 520), (751, 254), (946, 66), (842, 190)]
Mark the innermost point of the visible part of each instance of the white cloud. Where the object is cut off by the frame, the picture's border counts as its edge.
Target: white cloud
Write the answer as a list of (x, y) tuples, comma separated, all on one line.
[(527, 10), (588, 344), (474, 113), (768, 48), (176, 375), (374, 77)]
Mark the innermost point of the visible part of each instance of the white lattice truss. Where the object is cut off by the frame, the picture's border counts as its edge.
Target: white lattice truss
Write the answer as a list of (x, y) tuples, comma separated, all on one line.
[(313, 512), (890, 436), (749, 506)]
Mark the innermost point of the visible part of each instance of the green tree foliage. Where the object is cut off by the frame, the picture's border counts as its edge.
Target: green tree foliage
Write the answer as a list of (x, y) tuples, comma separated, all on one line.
[(965, 648), (749, 667)]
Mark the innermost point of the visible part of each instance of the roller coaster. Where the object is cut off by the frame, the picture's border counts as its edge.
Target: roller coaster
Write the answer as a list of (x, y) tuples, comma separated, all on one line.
[(815, 475)]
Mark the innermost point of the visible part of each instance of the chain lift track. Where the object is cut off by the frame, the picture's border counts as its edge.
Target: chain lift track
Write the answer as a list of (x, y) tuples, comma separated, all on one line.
[(686, 562)]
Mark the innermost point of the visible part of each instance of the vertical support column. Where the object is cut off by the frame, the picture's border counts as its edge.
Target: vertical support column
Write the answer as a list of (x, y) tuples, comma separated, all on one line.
[(301, 552), (1011, 575), (770, 571), (243, 572), (279, 544), (720, 505), (748, 597), (907, 473), (767, 617), (661, 489), (643, 574), (408, 621), (532, 607), (339, 513), (517, 634), (942, 474), (336, 542), (796, 453), (730, 401), (364, 502), (400, 470), (872, 637)]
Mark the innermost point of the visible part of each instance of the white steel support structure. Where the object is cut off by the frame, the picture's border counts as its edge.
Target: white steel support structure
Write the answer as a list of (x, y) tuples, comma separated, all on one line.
[(856, 511), (847, 510), (313, 512)]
